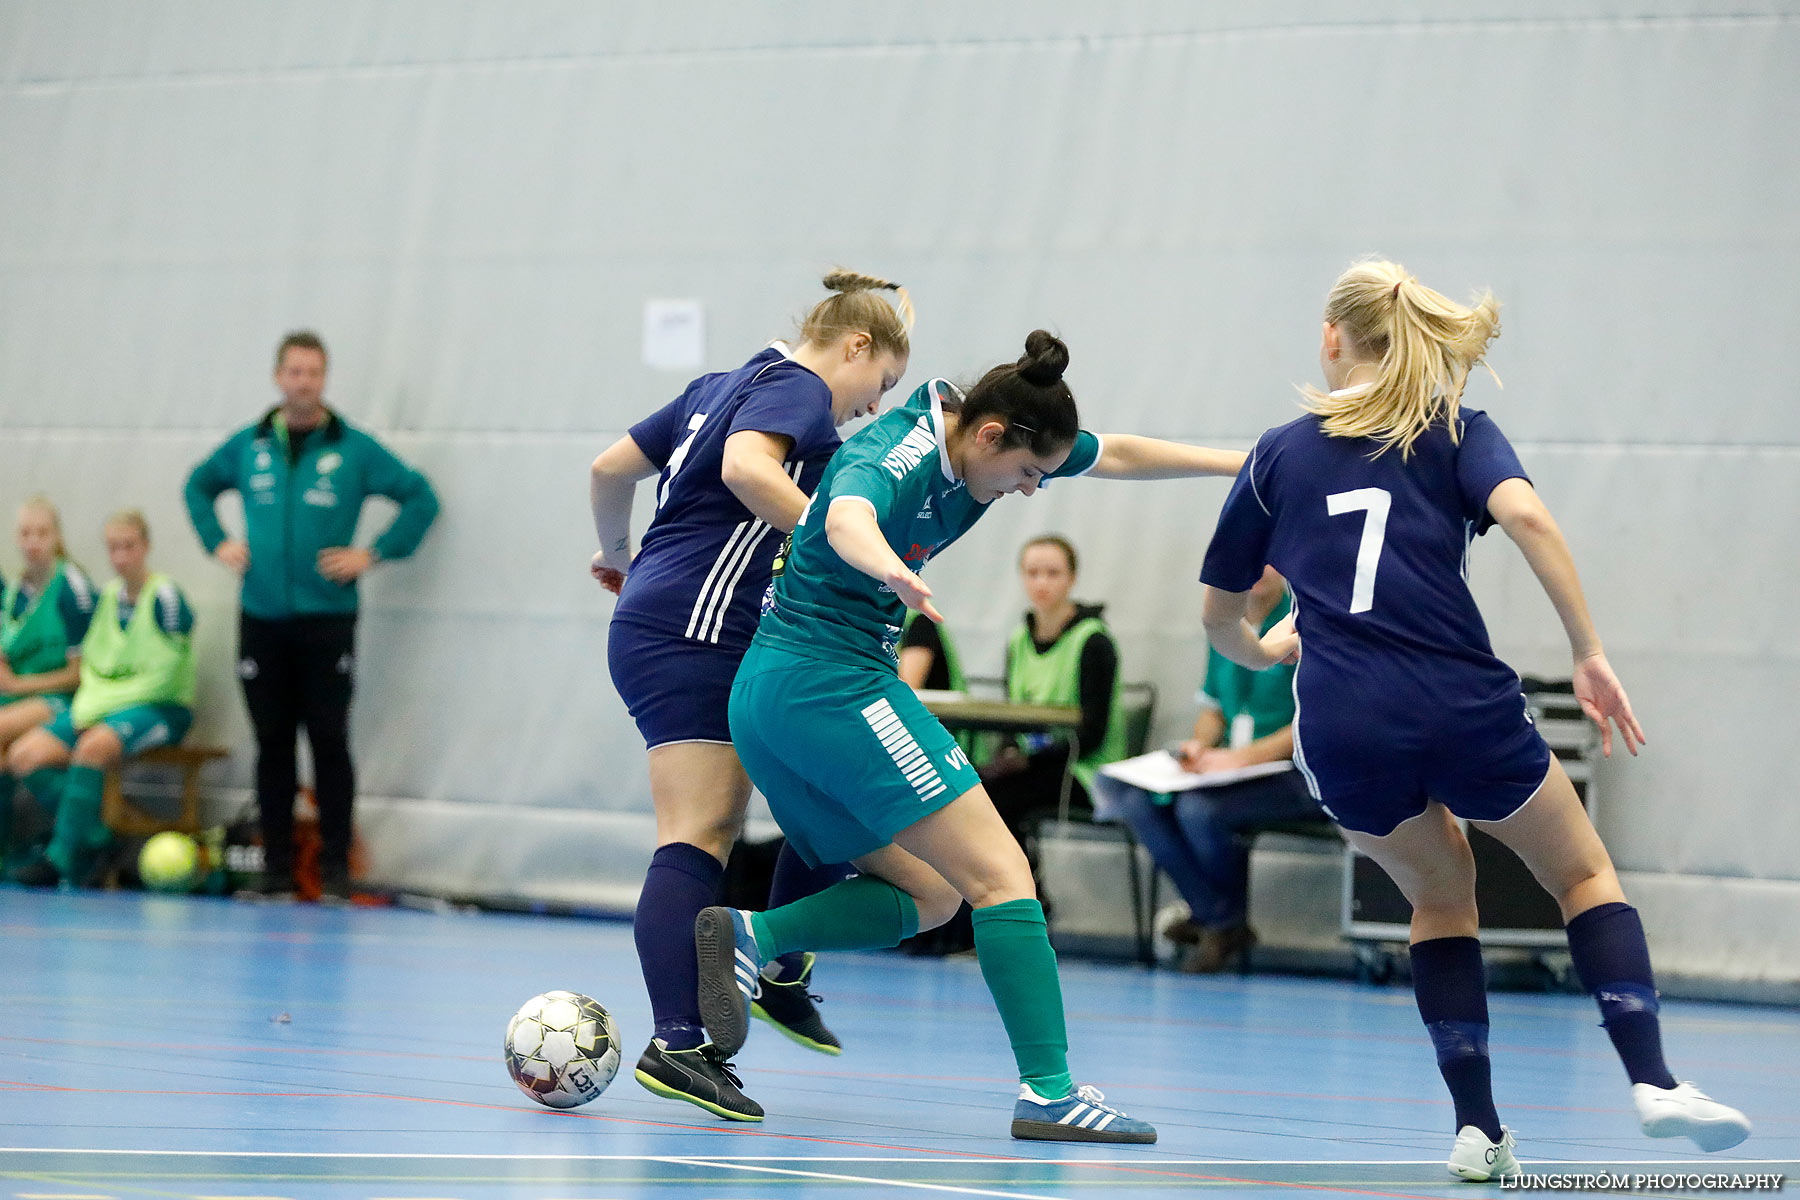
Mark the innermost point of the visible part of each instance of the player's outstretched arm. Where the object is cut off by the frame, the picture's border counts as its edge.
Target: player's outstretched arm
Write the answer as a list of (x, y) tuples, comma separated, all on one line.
[(1128, 456), (611, 482), (754, 468), (853, 532), (1516, 508)]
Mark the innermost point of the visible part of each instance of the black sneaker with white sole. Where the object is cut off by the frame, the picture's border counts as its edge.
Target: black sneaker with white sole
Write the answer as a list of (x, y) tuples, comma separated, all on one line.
[(700, 1076)]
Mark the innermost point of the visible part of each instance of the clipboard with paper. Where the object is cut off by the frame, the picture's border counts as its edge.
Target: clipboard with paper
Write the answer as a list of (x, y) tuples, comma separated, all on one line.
[(1159, 771)]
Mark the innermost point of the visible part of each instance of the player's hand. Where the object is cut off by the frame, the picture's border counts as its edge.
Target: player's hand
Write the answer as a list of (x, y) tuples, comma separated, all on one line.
[(1602, 698), (1281, 643), (611, 577), (1219, 759), (9, 682), (341, 564), (912, 592), (234, 554), (1188, 755)]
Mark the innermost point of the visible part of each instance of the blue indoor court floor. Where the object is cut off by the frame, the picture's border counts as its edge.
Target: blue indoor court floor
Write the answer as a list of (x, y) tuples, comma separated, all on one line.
[(170, 1047)]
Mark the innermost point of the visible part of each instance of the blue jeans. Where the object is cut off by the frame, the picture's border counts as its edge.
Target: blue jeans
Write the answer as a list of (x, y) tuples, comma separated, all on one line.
[(1196, 837)]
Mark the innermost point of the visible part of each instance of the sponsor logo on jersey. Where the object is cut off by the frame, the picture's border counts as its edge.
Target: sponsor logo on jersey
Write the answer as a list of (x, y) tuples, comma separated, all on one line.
[(910, 451)]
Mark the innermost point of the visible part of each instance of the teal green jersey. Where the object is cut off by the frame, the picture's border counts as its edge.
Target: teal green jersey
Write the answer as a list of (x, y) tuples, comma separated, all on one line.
[(821, 606), (300, 498)]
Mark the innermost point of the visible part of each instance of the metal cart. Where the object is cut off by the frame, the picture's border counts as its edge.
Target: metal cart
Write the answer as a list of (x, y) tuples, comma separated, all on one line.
[(1516, 912)]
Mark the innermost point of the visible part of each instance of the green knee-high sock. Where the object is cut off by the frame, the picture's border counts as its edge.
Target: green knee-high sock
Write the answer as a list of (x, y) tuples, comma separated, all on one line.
[(1012, 943), (79, 830), (45, 786), (864, 913)]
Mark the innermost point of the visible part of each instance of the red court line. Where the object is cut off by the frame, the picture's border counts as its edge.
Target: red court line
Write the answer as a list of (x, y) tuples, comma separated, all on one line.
[(248, 1049), (16, 1085), (729, 1130)]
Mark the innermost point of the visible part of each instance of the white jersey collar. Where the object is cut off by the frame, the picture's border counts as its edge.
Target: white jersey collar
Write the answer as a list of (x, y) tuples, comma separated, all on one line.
[(937, 424)]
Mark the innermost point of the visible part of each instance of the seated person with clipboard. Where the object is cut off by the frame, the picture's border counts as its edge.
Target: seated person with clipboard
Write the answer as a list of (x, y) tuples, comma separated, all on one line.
[(1191, 808)]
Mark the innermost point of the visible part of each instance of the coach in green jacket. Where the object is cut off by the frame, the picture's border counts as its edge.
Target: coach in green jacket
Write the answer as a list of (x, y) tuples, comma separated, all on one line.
[(303, 473)]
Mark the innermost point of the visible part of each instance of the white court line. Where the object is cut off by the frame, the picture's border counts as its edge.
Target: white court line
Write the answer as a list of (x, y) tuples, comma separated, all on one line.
[(709, 1159), (838, 1178)]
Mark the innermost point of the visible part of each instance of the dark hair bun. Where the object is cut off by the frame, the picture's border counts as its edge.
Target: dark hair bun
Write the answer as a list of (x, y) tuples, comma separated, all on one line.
[(1045, 359)]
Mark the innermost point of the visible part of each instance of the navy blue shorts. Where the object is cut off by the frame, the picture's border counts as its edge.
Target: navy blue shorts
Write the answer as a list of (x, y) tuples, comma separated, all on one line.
[(1480, 762), (677, 689)]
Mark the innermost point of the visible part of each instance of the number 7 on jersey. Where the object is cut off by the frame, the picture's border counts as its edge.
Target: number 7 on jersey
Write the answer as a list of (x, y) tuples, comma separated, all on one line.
[(1374, 502)]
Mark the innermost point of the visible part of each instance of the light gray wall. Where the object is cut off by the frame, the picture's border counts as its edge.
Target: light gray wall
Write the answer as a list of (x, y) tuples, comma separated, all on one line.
[(473, 200)]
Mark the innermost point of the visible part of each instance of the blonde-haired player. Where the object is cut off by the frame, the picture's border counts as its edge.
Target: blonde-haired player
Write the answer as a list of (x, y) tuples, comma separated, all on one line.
[(736, 455), (1404, 719)]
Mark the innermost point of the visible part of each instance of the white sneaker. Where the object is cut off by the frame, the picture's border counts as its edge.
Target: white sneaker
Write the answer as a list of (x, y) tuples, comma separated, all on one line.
[(1478, 1160), (1685, 1110)]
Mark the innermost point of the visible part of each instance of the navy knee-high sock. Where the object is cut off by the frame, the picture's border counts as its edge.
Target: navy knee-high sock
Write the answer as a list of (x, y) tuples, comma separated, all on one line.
[(1613, 961), (681, 881), (794, 880), (1451, 986)]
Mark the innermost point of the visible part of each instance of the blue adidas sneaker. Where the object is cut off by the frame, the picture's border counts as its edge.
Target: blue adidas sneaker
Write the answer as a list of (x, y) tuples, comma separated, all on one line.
[(730, 975), (1080, 1116)]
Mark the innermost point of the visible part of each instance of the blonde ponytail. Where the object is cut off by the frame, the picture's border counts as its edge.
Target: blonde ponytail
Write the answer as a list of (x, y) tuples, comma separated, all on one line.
[(858, 309), (1426, 344)]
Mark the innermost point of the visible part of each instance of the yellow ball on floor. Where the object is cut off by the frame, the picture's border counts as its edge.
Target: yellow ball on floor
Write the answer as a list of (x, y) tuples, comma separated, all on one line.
[(169, 862)]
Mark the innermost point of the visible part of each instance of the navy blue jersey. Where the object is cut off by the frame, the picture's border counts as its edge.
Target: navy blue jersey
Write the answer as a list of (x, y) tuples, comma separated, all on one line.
[(1375, 548), (705, 561)]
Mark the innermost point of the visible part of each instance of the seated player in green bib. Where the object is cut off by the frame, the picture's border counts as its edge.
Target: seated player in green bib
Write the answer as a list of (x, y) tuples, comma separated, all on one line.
[(136, 693), (853, 766), (1061, 653), (43, 617)]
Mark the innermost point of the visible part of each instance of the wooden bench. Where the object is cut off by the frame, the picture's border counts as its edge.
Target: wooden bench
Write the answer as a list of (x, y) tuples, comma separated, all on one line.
[(127, 819)]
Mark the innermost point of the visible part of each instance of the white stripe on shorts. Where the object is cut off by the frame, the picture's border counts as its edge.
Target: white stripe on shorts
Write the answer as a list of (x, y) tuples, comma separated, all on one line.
[(712, 576), (897, 740)]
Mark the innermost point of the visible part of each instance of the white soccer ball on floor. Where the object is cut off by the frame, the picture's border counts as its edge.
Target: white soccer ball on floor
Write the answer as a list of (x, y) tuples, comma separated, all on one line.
[(562, 1049)]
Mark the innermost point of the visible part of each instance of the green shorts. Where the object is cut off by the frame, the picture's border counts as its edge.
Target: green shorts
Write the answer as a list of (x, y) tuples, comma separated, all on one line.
[(141, 727), (846, 755)]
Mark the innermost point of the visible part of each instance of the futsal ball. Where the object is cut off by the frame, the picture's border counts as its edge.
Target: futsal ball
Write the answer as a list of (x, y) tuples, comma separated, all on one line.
[(562, 1049), (169, 862)]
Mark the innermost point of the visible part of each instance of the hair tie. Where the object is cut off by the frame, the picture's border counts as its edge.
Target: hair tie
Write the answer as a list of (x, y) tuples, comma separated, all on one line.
[(1397, 289)]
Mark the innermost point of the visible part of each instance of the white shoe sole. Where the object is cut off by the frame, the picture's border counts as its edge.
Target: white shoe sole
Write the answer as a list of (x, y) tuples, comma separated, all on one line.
[(1711, 1136)]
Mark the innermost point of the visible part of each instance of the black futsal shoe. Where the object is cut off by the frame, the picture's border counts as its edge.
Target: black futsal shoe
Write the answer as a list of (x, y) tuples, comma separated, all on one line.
[(700, 1076), (272, 886), (789, 1008), (39, 872)]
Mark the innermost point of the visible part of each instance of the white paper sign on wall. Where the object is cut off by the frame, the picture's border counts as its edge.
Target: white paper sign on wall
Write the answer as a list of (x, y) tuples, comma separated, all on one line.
[(674, 334)]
